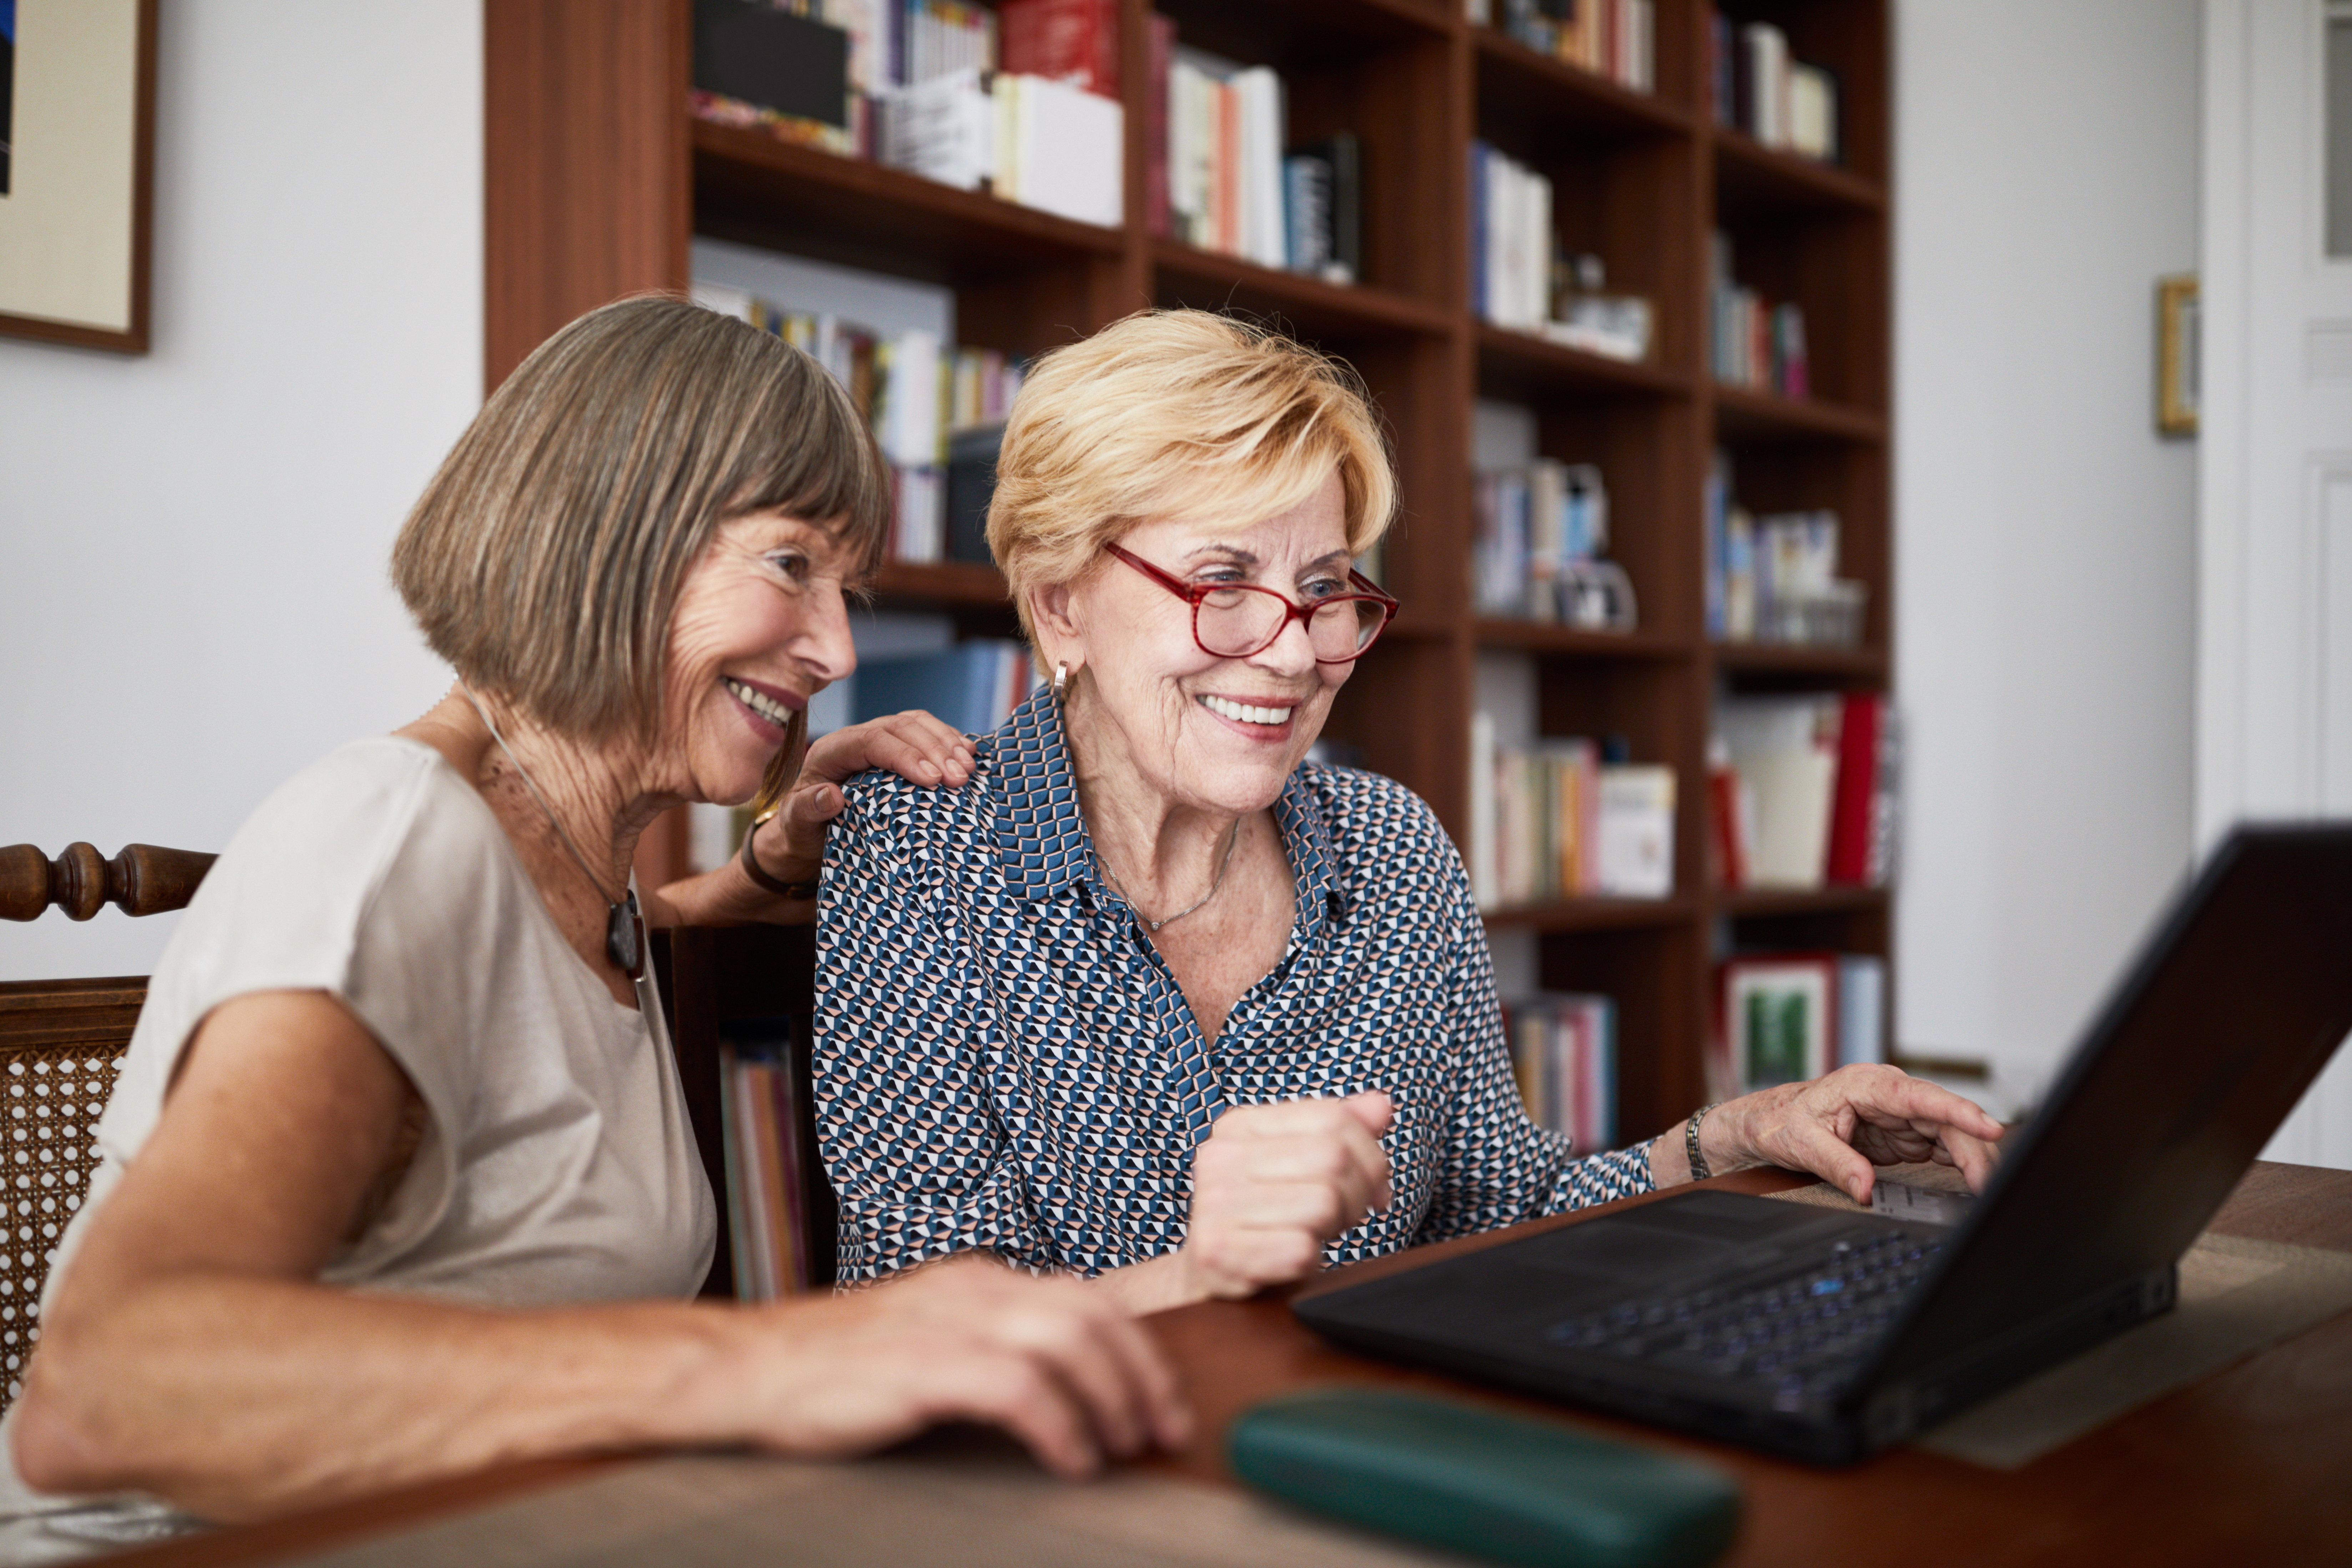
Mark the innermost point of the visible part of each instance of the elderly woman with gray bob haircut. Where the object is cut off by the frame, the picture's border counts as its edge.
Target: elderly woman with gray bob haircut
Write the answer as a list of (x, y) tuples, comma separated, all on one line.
[(1150, 997), (397, 1179)]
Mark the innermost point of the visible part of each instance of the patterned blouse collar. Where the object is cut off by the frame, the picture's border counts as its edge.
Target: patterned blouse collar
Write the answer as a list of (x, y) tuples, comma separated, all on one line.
[(1041, 833)]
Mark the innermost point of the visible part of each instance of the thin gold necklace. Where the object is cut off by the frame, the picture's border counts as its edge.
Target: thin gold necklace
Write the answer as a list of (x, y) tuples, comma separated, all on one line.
[(1231, 839)]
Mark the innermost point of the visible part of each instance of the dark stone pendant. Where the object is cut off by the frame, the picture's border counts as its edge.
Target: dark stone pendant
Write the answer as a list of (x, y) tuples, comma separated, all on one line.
[(625, 936)]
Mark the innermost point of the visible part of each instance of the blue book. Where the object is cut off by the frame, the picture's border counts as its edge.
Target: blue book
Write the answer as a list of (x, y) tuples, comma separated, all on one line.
[(972, 686)]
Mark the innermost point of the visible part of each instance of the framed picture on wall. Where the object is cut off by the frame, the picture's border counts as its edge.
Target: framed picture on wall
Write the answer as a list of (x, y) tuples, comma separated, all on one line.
[(77, 143)]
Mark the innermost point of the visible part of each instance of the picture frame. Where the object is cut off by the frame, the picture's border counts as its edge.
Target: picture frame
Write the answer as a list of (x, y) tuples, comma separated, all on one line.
[(2177, 356), (77, 169), (1777, 1022)]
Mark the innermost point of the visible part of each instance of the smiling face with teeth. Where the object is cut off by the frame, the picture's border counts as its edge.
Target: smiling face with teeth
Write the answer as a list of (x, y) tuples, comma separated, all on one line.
[(1151, 711), (761, 626)]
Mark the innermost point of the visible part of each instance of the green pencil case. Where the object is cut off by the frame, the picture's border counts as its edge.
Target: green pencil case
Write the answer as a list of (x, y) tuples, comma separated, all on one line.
[(1479, 1481)]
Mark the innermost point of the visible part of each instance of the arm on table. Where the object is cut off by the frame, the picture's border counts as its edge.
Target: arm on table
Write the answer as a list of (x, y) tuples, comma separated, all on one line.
[(189, 1352)]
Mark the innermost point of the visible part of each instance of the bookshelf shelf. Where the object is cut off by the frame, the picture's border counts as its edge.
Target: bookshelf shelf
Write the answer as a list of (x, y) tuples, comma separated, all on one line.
[(1857, 665), (1517, 83), (1756, 903), (911, 583), (1743, 414), (1593, 915), (1541, 637), (1751, 177), (751, 187), (1522, 366), (1186, 275), (598, 177)]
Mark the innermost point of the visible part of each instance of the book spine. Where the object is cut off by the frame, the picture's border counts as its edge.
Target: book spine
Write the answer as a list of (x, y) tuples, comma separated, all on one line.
[(1157, 195)]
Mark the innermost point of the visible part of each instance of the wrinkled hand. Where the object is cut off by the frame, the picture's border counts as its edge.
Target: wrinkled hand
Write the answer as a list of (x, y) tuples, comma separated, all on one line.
[(1274, 1183), (1056, 1364), (914, 745), (1838, 1126)]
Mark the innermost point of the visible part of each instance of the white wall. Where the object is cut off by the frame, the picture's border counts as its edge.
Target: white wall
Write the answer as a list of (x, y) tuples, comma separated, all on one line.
[(2046, 174), (192, 542)]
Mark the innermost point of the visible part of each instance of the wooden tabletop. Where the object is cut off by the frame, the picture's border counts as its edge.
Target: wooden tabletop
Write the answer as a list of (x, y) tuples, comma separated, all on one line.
[(2253, 1461)]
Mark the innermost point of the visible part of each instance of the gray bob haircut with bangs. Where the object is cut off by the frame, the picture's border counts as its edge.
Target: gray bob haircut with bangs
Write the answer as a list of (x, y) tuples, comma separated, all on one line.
[(544, 559)]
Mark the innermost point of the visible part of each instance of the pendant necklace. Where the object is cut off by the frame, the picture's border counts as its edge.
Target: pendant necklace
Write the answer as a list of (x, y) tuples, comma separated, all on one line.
[(624, 933), (1231, 839)]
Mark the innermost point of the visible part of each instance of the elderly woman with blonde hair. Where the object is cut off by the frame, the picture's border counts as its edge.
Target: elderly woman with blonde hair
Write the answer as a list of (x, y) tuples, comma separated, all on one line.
[(1150, 997), (397, 1180)]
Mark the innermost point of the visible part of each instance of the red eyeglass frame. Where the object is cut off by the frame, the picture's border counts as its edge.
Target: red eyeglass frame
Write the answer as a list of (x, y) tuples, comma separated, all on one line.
[(1193, 594)]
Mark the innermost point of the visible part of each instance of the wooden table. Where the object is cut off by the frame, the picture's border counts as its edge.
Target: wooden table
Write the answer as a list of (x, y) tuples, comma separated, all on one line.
[(2253, 1463)]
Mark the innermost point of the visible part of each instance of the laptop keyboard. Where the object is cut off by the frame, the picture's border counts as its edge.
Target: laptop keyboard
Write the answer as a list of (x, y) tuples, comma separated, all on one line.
[(1796, 1332)]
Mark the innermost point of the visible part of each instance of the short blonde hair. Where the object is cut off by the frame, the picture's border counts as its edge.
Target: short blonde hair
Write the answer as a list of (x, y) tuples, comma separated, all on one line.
[(544, 559), (1177, 414)]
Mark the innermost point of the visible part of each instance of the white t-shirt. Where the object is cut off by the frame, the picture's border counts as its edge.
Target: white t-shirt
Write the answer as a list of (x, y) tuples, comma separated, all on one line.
[(558, 1165)]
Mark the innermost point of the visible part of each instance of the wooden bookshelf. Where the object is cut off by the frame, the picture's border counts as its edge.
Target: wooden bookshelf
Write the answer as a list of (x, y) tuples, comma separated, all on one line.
[(597, 176)]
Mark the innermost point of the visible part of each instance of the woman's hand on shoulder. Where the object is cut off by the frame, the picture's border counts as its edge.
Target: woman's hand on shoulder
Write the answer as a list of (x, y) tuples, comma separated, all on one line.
[(1271, 1183), (1055, 1364), (1843, 1124), (790, 845)]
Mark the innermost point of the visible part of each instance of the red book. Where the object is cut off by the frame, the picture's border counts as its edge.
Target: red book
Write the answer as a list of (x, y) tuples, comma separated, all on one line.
[(1076, 41), (1856, 793), (1162, 43)]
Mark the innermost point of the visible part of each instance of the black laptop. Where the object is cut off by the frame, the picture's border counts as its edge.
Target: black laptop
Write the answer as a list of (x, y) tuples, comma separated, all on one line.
[(1824, 1334)]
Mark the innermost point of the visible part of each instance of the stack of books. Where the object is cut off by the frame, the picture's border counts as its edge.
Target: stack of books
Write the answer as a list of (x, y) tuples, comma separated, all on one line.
[(1757, 88), (1225, 179), (1523, 278), (771, 1172), (1753, 341), (1564, 1055), (1802, 791), (1551, 820), (918, 399), (1786, 1017), (1021, 100), (1615, 38), (1774, 578), (1543, 534)]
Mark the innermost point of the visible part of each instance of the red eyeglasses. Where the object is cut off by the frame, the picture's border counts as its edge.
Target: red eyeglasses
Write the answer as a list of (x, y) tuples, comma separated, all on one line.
[(1235, 620)]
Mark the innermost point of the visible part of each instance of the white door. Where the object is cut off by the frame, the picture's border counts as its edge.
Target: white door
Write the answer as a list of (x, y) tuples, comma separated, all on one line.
[(2274, 527)]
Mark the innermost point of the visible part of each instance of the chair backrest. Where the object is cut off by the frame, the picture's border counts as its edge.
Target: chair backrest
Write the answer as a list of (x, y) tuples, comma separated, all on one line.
[(61, 1042)]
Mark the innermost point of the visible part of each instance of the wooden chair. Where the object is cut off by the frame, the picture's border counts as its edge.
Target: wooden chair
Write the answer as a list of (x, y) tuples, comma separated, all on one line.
[(60, 1044)]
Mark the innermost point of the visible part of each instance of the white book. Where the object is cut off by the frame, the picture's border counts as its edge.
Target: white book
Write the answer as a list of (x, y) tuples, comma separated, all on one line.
[(723, 297), (910, 432), (1261, 160), (1634, 857), (1785, 751), (1069, 149), (1188, 131), (1482, 881), (1536, 286)]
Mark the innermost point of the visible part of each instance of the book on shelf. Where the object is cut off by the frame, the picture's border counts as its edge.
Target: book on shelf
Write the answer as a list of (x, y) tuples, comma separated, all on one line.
[(1614, 38), (1774, 578), (1758, 88), (1539, 550), (971, 687), (1230, 181), (1523, 278), (1564, 1056), (1550, 819), (1802, 791), (1751, 342), (1785, 1017), (771, 1172), (918, 397)]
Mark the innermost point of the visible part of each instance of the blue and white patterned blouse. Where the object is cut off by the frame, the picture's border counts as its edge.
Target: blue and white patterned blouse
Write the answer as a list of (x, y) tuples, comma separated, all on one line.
[(1004, 1061)]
